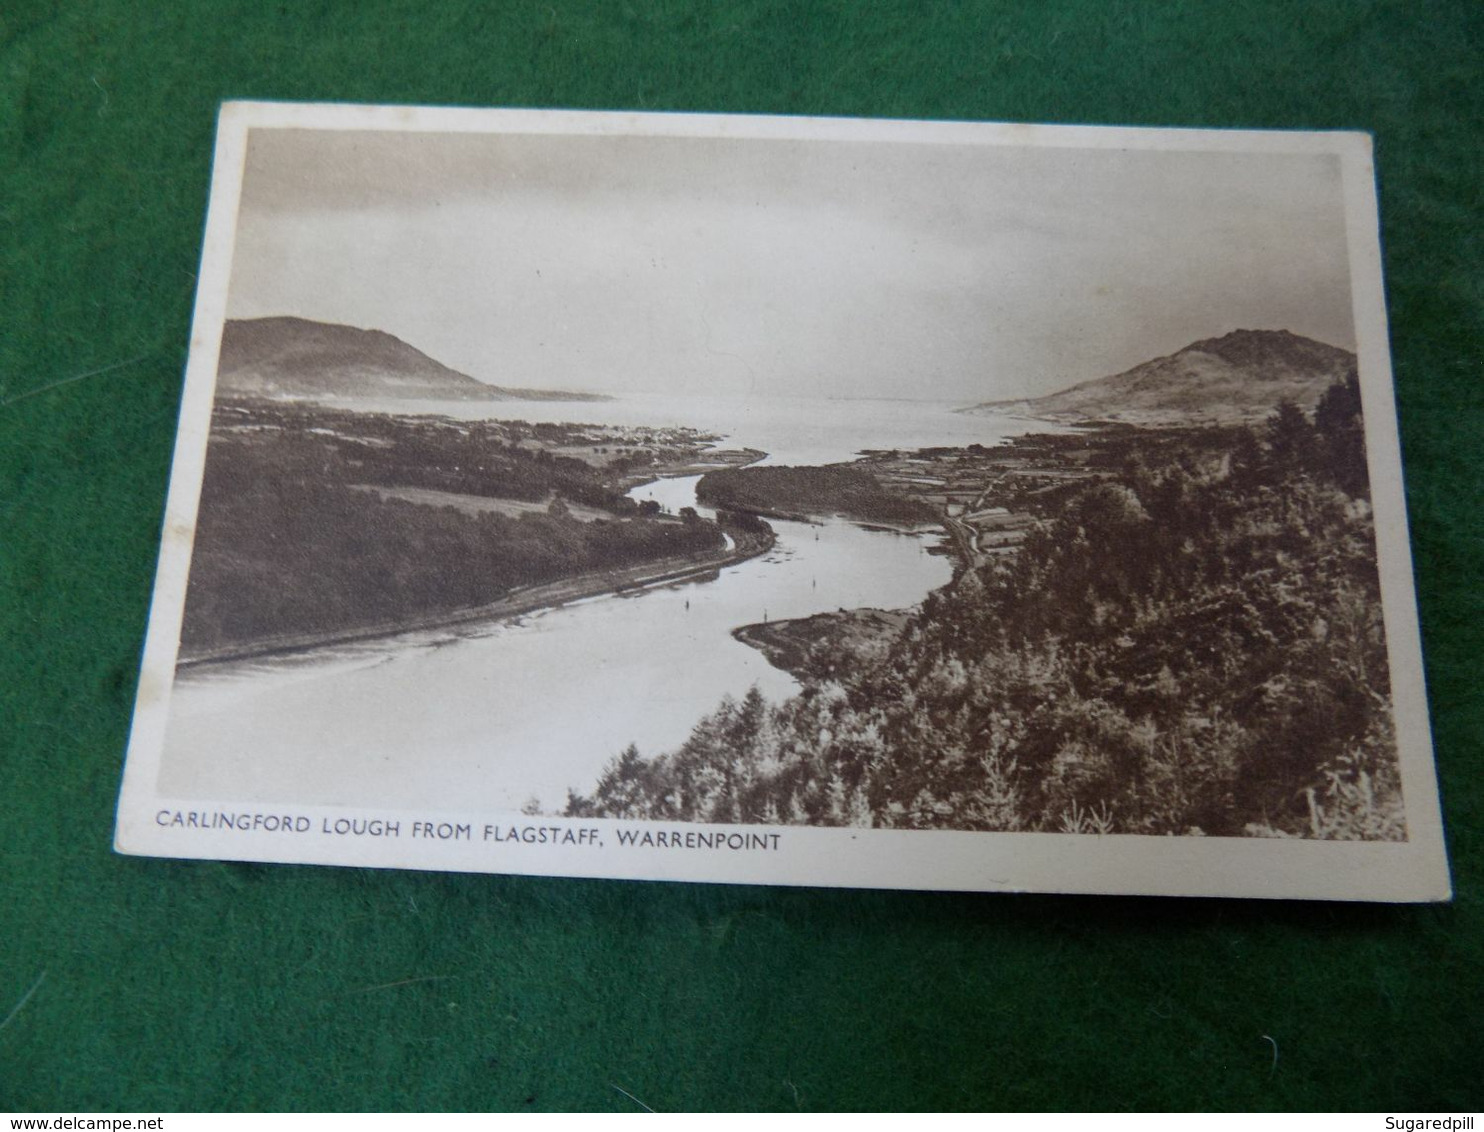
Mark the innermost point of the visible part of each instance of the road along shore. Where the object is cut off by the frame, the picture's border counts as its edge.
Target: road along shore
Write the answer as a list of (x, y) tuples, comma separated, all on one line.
[(519, 602)]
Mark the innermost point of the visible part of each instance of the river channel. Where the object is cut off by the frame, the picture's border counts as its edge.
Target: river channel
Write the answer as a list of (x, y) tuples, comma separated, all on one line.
[(503, 714)]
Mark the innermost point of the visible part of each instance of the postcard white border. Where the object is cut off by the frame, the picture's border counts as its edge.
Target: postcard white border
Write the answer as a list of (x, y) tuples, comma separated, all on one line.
[(1415, 870)]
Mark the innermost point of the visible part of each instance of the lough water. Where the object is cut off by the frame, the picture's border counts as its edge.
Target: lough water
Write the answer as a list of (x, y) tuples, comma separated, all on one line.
[(499, 714)]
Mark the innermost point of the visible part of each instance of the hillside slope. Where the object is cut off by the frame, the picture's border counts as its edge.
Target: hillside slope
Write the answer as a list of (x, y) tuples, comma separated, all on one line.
[(297, 357), (1241, 376)]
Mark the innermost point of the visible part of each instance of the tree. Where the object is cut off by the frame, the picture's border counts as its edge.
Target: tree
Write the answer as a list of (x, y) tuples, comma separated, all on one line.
[(1290, 437), (1341, 431)]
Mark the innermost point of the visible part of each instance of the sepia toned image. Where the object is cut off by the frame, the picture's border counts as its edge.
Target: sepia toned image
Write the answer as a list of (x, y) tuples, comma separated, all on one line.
[(789, 501)]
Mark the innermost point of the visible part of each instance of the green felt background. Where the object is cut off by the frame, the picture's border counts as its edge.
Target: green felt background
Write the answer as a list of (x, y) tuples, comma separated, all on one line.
[(200, 986)]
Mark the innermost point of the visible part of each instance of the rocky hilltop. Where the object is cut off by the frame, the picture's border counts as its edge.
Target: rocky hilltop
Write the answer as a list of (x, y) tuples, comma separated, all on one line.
[(297, 357), (1240, 376)]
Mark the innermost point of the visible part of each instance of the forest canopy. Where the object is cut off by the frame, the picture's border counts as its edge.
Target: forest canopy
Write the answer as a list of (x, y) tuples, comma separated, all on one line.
[(1191, 644), (297, 535)]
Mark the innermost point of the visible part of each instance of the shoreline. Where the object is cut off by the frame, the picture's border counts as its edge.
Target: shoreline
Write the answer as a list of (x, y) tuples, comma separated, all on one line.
[(957, 539), (517, 603), (818, 519), (821, 645)]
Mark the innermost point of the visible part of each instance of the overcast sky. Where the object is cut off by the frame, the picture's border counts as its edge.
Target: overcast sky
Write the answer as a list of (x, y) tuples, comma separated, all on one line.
[(730, 267)]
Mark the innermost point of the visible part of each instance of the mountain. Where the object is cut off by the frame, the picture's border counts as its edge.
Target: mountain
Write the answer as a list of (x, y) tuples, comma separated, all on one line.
[(1240, 376), (296, 357)]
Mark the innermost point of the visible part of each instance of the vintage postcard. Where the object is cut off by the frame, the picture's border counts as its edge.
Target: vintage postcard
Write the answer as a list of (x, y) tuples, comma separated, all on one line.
[(789, 501)]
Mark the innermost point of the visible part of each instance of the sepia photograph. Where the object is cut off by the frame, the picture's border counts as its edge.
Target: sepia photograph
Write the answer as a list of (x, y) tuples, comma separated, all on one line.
[(789, 501)]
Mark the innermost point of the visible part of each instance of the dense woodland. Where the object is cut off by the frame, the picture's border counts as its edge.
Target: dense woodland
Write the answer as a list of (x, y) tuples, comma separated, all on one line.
[(289, 540), (832, 489), (1189, 644)]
